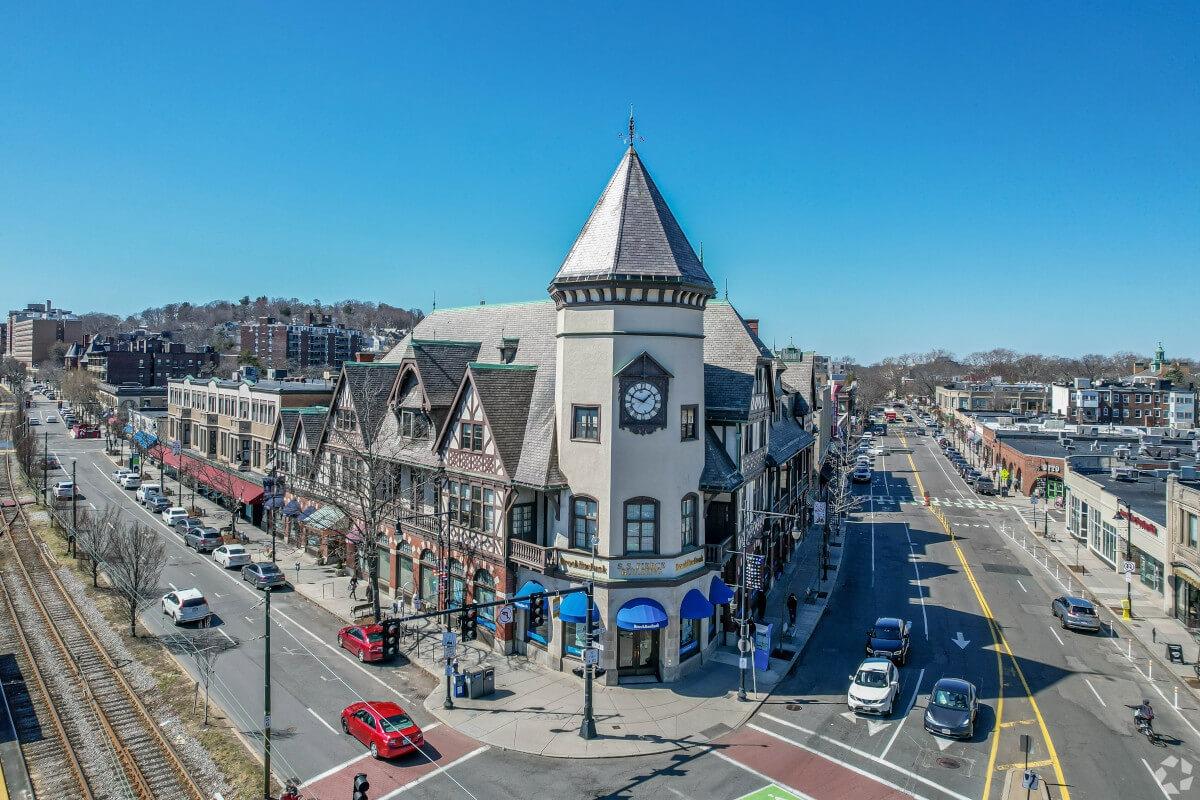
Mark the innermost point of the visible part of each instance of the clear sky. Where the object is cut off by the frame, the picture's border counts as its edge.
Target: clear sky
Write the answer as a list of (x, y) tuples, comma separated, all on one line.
[(868, 178)]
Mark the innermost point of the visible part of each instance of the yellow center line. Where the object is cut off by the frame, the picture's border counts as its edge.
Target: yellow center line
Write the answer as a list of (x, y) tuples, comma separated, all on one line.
[(1001, 643)]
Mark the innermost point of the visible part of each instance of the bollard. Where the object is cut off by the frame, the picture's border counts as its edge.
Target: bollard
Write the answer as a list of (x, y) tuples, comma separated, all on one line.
[(1056, 572), (1129, 649), (1176, 698), (1069, 584), (1149, 669)]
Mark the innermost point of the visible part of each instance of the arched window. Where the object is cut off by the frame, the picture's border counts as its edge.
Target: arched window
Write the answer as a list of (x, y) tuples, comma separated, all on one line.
[(485, 592), (457, 584), (641, 525), (687, 521), (429, 592), (585, 515)]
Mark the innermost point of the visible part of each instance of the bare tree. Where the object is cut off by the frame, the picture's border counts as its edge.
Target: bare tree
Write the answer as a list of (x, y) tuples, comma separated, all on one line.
[(135, 566), (94, 533), (206, 647)]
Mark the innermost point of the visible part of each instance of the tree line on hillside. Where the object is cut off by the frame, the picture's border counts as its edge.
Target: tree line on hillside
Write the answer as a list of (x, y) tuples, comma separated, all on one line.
[(199, 324), (920, 373)]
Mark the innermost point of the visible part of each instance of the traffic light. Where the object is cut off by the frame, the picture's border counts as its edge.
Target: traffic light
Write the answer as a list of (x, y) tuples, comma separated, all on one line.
[(537, 611), (466, 626), (391, 638), (360, 787)]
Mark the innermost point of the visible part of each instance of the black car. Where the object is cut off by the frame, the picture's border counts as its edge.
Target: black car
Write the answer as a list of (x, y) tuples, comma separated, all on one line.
[(889, 638), (953, 706)]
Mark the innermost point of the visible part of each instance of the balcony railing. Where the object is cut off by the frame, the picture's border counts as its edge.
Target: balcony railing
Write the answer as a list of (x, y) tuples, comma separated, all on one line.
[(715, 554), (531, 555)]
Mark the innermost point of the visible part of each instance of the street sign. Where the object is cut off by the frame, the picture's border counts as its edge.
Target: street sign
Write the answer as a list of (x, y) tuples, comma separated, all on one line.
[(449, 638), (505, 615), (449, 651), (449, 670), (1129, 567), (1032, 500), (591, 656)]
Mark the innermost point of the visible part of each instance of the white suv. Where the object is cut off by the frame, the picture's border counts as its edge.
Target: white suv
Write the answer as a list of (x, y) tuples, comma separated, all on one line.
[(131, 481), (185, 605), (64, 490), (174, 513), (147, 491)]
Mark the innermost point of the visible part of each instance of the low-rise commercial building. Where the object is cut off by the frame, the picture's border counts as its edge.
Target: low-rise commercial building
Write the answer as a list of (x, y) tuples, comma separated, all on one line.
[(1020, 398), (1183, 530)]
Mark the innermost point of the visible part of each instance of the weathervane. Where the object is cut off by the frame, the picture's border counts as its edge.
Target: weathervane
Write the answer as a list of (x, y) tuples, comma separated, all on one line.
[(632, 136)]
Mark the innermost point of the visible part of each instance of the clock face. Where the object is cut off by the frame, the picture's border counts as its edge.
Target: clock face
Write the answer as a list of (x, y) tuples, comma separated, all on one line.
[(642, 400)]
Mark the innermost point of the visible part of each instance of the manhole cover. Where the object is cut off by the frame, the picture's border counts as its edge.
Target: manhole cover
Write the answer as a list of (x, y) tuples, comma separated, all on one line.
[(947, 762), (793, 707)]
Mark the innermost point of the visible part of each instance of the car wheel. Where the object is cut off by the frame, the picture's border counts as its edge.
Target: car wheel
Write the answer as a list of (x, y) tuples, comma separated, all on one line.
[(360, 656), (1063, 622), (345, 727), (374, 750)]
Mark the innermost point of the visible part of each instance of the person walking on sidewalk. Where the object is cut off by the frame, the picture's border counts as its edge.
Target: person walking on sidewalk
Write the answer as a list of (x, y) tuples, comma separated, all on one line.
[(792, 604), (760, 604), (353, 586)]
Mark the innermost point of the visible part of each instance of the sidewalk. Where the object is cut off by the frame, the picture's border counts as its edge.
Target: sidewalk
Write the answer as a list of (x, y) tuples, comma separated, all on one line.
[(1152, 628), (536, 710)]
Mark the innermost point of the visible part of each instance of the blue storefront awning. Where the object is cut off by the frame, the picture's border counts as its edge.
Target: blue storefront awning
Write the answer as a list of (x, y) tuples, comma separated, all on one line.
[(272, 501), (719, 592), (521, 598), (573, 608), (144, 439), (291, 509), (695, 606), (128, 428), (641, 614), (303, 515)]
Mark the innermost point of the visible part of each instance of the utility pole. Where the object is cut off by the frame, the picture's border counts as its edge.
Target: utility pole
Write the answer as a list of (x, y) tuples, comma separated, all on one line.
[(46, 472), (587, 728), (267, 696), (74, 508)]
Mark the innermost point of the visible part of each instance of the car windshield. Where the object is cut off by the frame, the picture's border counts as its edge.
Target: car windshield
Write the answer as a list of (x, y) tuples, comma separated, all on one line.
[(887, 632), (192, 602), (948, 698), (375, 636), (396, 723), (268, 569), (872, 678), (235, 550), (209, 533), (1086, 611)]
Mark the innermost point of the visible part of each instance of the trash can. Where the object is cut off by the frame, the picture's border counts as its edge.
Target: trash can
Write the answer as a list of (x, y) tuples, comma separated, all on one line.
[(481, 683), (489, 681), (460, 685)]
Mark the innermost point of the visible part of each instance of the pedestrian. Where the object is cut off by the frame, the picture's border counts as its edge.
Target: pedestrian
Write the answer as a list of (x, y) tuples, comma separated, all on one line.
[(353, 586), (370, 592), (792, 604), (760, 605)]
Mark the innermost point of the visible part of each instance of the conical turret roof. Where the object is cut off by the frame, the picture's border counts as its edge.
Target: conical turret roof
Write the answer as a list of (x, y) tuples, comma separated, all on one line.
[(631, 234)]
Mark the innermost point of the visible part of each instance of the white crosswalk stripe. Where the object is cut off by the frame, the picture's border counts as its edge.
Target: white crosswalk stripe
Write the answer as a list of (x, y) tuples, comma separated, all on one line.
[(946, 502)]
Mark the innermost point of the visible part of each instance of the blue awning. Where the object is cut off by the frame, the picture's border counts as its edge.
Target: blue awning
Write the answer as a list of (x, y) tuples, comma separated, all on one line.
[(291, 509), (272, 501), (695, 606), (641, 614), (719, 592), (306, 514), (521, 598), (128, 428), (573, 608), (144, 440)]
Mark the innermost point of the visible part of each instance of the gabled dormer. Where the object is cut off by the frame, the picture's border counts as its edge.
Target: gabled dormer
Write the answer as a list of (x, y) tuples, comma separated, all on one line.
[(484, 432)]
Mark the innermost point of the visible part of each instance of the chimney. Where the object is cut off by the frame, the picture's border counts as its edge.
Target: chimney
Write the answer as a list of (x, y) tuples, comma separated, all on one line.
[(364, 358), (752, 324), (49, 306)]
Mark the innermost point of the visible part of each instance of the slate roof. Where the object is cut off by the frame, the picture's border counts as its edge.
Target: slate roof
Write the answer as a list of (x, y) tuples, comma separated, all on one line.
[(787, 438), (731, 353), (370, 384), (720, 474), (505, 391), (288, 418), (632, 233), (312, 421), (441, 365)]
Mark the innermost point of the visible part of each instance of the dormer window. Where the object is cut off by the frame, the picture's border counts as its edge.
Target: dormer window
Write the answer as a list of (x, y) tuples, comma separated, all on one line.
[(470, 436), (408, 424), (508, 349)]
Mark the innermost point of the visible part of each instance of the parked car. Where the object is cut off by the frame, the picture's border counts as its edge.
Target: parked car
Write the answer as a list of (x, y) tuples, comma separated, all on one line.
[(146, 491), (184, 525), (51, 463), (173, 513), (383, 727), (131, 481), (985, 485), (889, 638), (363, 641), (51, 418), (203, 539), (64, 490), (263, 575), (1075, 613), (861, 474), (34, 421), (121, 472), (874, 687), (158, 504), (953, 706), (972, 475), (185, 605), (231, 555)]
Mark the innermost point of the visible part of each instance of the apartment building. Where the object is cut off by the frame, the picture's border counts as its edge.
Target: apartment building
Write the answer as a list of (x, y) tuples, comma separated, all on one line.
[(1144, 400), (33, 331), (142, 357), (317, 343)]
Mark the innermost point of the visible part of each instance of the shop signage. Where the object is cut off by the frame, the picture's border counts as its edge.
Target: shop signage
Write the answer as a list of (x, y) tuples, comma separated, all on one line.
[(1146, 525), (819, 512), (632, 569)]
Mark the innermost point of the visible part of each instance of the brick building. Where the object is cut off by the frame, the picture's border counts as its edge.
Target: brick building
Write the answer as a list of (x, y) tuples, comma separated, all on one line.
[(318, 343), (142, 357), (32, 332), (1142, 400)]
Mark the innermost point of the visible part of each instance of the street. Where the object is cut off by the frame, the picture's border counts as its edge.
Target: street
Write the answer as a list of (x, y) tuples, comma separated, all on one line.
[(979, 610)]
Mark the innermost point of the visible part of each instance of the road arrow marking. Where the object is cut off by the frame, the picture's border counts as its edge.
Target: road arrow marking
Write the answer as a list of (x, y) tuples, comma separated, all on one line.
[(961, 642), (874, 726), (942, 743)]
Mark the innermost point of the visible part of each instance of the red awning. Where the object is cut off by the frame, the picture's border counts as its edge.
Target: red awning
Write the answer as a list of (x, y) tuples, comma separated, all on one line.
[(223, 481)]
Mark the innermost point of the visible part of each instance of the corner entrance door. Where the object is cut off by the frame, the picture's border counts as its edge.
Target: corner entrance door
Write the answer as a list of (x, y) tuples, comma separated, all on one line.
[(637, 653)]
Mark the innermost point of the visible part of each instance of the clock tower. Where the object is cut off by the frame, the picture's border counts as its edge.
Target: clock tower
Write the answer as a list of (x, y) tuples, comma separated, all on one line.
[(629, 386)]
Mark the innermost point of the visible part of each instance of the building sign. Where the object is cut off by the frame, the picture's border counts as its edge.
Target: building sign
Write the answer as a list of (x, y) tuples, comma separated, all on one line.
[(1053, 469), (1146, 525), (819, 512), (632, 569)]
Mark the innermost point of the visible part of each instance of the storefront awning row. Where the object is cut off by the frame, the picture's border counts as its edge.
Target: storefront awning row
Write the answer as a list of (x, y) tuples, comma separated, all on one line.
[(719, 592), (214, 477), (695, 606), (521, 598), (144, 439)]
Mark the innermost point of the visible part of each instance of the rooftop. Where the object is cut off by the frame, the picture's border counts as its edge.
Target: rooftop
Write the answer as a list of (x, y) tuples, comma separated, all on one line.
[(1050, 446), (1147, 496)]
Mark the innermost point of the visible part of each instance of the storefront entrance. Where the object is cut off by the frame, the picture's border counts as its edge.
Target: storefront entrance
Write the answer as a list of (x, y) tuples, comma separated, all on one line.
[(1187, 601), (637, 653), (1054, 488)]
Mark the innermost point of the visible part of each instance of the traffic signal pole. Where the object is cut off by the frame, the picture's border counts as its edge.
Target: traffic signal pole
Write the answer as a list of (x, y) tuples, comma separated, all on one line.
[(267, 697)]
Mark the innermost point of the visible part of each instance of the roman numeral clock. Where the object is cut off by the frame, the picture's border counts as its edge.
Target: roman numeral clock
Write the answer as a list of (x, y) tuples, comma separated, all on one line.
[(642, 386)]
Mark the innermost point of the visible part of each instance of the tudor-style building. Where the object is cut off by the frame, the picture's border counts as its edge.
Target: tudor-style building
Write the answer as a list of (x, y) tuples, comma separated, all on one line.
[(626, 431)]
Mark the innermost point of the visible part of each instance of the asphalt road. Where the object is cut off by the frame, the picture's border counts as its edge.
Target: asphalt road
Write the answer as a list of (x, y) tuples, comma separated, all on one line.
[(1067, 691)]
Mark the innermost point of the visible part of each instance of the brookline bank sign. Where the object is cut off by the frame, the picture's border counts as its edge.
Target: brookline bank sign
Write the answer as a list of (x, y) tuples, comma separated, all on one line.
[(633, 569)]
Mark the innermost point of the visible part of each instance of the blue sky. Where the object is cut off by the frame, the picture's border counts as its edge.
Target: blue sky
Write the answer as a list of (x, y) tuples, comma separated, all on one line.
[(870, 179)]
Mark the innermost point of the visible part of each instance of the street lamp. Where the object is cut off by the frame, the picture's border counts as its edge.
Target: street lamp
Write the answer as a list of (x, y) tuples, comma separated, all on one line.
[(74, 507), (1127, 613)]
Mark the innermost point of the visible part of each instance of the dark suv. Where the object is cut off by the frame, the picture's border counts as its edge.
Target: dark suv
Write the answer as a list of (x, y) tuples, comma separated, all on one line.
[(889, 638)]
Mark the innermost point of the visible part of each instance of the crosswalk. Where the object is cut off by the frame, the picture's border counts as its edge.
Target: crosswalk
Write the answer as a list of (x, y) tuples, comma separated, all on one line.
[(948, 502)]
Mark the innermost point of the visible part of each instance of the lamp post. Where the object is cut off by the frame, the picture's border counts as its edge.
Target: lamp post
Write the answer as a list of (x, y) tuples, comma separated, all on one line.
[(1127, 612), (587, 727), (74, 508)]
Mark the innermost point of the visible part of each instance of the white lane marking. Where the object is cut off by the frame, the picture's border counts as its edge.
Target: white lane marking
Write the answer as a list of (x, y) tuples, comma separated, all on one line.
[(851, 767), (226, 635), (332, 770), (321, 720), (912, 554), (1093, 688), (435, 772), (762, 775), (1055, 635), (431, 726), (1023, 589), (1157, 782), (907, 711), (248, 620), (174, 588), (937, 459)]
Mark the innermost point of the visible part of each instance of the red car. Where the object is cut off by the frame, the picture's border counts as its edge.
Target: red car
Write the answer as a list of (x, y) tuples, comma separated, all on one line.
[(364, 641), (384, 727)]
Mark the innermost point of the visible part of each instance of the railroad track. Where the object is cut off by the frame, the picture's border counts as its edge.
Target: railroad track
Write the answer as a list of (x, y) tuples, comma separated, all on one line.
[(95, 739)]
